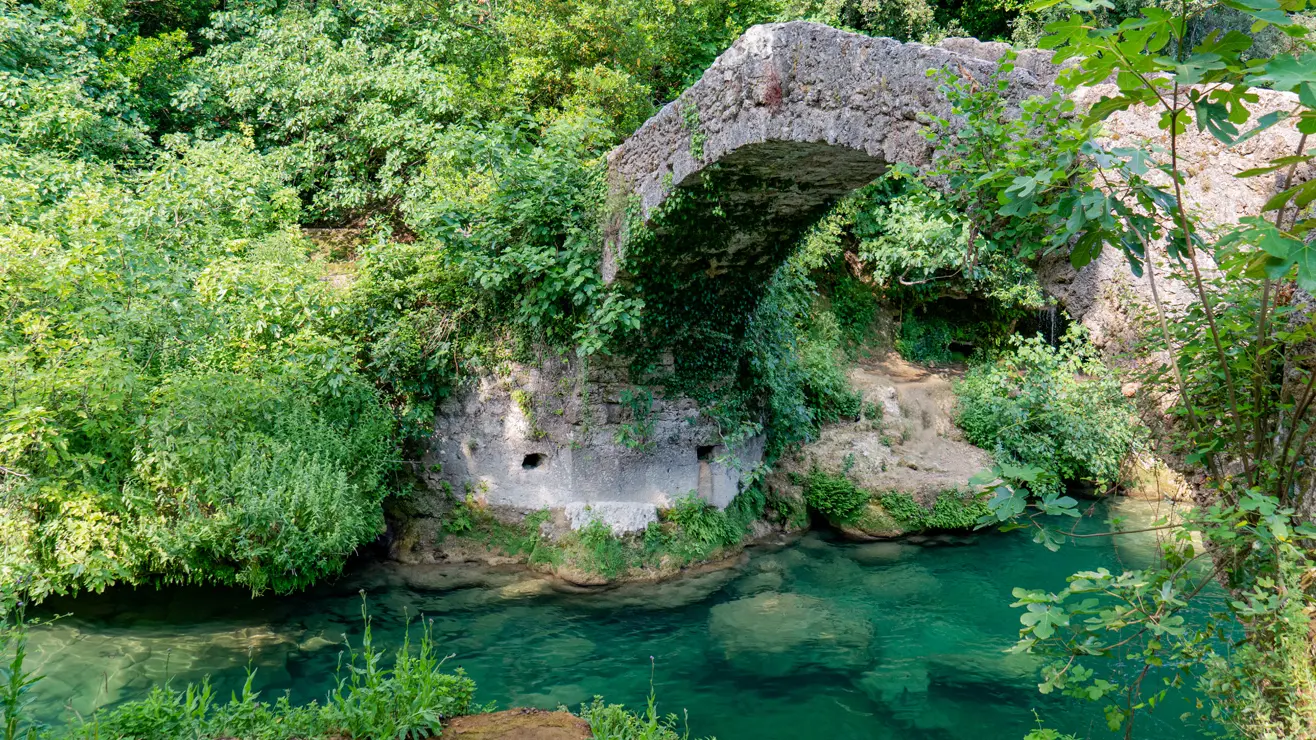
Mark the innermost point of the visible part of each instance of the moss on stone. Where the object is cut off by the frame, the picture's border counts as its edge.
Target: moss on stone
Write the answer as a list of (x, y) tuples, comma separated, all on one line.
[(952, 510), (876, 521)]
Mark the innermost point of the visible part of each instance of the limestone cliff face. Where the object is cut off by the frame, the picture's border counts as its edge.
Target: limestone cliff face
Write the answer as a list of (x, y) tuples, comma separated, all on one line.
[(1104, 295)]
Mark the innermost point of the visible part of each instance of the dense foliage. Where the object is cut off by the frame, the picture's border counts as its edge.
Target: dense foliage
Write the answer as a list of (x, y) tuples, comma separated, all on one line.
[(834, 496), (179, 398), (1236, 374), (196, 391), (1055, 408), (952, 510)]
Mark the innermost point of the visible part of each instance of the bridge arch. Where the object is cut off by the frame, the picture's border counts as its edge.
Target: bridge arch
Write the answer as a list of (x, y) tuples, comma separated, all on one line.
[(788, 120)]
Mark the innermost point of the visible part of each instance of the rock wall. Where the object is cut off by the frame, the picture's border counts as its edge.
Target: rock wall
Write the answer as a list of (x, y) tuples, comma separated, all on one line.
[(553, 435), (1105, 296)]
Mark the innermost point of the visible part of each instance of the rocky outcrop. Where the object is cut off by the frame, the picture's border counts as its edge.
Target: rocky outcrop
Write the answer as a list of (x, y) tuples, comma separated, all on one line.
[(1105, 296), (905, 443), (519, 724)]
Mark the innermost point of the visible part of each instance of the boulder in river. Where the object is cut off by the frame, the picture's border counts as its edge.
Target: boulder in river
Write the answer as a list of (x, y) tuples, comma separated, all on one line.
[(778, 634)]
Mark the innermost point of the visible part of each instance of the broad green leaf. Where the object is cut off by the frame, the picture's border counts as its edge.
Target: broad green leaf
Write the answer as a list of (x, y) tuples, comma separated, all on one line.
[(1103, 108), (1268, 11), (1229, 46), (1196, 68), (1282, 198), (1214, 117), (1263, 123), (1286, 72), (1086, 249)]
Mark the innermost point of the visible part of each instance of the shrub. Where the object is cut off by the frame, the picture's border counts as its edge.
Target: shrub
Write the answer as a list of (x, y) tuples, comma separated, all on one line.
[(855, 307), (236, 480), (834, 496), (615, 722), (696, 528), (471, 519), (701, 522), (595, 549), (181, 406), (1054, 408), (951, 510), (926, 340)]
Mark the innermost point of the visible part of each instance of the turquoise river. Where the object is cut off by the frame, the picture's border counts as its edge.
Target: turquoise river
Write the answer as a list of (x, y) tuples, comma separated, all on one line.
[(818, 639)]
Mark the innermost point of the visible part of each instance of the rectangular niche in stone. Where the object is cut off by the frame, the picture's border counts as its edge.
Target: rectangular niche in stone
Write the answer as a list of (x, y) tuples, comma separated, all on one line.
[(705, 454)]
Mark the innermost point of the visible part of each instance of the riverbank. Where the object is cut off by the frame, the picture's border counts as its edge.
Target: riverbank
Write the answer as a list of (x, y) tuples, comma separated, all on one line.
[(900, 462), (818, 638)]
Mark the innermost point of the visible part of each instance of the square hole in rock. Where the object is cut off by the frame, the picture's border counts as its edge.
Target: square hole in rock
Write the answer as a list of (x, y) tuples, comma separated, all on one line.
[(532, 461), (705, 452)]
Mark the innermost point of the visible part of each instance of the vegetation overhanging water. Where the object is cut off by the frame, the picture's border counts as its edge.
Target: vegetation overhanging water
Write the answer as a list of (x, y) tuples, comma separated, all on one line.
[(817, 639)]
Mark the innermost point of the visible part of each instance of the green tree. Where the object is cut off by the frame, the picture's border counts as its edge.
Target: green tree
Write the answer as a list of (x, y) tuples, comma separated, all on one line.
[(1238, 368)]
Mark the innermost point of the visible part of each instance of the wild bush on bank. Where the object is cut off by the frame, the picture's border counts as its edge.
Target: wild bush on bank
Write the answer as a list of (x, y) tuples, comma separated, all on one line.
[(1237, 364), (179, 401), (1054, 408)]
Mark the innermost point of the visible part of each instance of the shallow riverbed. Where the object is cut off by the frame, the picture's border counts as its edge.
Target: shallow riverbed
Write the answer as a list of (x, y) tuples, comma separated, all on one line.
[(820, 639)]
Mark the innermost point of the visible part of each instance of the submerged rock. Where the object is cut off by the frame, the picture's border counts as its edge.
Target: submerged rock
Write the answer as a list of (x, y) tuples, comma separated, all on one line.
[(880, 553), (780, 634), (673, 593), (759, 583), (895, 680), (566, 649), (900, 582)]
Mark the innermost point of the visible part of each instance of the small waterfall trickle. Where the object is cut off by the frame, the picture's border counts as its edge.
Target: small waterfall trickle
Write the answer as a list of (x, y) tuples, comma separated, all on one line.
[(1048, 324)]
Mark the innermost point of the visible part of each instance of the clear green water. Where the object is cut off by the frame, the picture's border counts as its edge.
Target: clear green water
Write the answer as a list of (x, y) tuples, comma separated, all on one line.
[(817, 640)]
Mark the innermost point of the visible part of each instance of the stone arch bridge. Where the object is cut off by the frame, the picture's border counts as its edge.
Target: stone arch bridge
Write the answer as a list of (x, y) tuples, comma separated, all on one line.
[(723, 180), (791, 118)]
